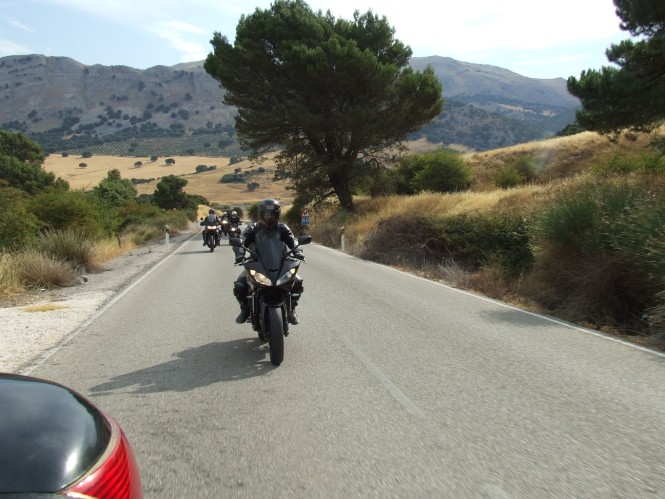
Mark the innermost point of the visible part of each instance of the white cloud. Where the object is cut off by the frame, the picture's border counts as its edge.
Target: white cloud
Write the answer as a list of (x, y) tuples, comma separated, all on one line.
[(21, 26)]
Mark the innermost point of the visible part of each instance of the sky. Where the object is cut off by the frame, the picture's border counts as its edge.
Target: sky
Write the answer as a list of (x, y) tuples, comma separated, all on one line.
[(529, 37)]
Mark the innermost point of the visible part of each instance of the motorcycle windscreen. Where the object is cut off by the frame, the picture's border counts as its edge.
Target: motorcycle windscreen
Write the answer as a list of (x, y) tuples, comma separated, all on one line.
[(271, 252)]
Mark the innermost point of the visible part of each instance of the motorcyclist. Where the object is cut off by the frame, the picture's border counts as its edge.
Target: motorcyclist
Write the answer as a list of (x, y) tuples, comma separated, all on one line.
[(225, 224), (234, 219), (211, 219), (267, 227)]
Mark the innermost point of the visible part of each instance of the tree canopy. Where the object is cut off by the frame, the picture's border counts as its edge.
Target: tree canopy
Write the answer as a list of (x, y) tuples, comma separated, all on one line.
[(21, 164), (335, 97), (114, 190), (630, 94), (169, 193)]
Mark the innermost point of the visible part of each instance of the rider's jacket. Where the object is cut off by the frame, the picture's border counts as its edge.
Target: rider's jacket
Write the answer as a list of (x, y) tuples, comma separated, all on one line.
[(211, 220)]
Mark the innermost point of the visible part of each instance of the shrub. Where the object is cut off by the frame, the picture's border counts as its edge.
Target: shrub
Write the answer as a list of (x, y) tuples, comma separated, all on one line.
[(71, 246), (521, 171), (18, 225), (60, 210), (508, 177), (602, 247), (470, 240), (231, 178), (37, 269), (440, 171)]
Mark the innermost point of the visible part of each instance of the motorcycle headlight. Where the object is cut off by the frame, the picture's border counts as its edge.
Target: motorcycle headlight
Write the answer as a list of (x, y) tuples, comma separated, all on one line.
[(260, 278), (286, 277)]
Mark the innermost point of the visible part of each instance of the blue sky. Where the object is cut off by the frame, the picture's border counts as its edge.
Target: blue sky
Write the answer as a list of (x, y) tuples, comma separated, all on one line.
[(530, 37)]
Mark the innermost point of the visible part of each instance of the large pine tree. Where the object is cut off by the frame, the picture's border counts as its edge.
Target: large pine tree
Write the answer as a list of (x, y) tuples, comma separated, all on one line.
[(630, 94), (333, 96)]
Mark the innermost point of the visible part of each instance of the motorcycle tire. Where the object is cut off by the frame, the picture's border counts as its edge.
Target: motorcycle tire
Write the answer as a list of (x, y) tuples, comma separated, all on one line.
[(211, 243), (276, 340)]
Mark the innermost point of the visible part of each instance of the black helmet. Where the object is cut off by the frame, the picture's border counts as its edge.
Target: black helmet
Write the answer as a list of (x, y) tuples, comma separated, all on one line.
[(211, 211), (268, 213)]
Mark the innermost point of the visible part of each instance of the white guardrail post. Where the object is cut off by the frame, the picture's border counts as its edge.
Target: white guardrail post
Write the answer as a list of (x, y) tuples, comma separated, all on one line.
[(343, 239)]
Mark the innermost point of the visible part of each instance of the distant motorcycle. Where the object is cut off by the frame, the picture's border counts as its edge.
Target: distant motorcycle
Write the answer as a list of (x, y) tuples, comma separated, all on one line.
[(212, 236), (225, 227), (234, 229), (271, 272)]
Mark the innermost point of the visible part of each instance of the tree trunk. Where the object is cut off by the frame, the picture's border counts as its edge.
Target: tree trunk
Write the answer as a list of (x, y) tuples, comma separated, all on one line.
[(340, 182)]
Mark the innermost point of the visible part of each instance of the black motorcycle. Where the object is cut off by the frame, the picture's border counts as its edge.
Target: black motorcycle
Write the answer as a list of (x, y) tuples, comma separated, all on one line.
[(234, 229), (271, 272)]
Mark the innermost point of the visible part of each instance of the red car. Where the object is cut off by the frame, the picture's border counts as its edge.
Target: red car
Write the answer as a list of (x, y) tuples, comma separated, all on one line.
[(54, 442)]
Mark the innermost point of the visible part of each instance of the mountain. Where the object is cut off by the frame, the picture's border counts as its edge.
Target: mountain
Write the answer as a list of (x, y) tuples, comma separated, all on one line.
[(169, 110)]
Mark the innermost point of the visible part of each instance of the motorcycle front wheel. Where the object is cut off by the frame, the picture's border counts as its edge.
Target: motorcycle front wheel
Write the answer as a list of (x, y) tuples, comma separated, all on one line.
[(276, 340), (211, 243)]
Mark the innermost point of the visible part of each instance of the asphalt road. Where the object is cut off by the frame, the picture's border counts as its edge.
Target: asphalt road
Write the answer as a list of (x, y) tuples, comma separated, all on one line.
[(391, 386)]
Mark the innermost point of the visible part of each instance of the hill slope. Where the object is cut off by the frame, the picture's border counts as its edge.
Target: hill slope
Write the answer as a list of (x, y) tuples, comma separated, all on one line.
[(66, 105)]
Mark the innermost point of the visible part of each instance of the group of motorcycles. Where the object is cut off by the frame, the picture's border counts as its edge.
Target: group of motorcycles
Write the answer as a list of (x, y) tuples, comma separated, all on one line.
[(271, 272), (213, 232)]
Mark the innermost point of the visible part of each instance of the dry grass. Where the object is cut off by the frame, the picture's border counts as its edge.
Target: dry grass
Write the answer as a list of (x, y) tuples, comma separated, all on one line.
[(43, 308), (205, 184), (109, 249), (555, 158)]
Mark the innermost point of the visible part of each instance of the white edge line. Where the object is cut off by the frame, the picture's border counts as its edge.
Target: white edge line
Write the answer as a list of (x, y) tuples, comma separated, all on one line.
[(511, 307)]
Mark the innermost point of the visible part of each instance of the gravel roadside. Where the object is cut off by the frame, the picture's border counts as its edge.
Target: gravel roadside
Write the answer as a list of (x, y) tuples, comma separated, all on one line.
[(31, 332)]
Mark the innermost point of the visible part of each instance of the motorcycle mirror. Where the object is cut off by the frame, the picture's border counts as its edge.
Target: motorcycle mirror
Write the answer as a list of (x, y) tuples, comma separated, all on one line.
[(236, 242), (304, 240)]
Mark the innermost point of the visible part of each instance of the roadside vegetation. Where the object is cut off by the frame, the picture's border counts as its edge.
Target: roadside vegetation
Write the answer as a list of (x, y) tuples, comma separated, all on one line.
[(580, 240), (51, 234)]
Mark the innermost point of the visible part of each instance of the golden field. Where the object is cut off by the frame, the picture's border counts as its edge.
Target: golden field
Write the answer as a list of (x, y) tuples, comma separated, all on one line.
[(204, 184)]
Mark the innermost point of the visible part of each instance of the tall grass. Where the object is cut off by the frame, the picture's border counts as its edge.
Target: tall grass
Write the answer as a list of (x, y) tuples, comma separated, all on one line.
[(59, 257), (73, 247)]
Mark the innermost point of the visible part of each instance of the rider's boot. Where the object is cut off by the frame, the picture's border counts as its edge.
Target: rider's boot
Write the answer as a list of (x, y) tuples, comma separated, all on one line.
[(292, 317), (243, 315)]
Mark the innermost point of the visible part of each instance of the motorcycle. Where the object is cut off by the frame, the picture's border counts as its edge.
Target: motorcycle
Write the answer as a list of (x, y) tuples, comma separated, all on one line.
[(234, 230), (225, 227), (271, 272), (212, 236)]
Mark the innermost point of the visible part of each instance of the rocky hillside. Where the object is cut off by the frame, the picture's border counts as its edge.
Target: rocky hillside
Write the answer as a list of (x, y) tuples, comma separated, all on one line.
[(66, 105)]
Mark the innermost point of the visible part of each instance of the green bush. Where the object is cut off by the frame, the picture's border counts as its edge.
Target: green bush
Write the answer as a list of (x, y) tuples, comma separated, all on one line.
[(442, 171), (231, 178), (62, 210), (508, 177), (477, 239), (470, 240), (519, 172), (18, 225)]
